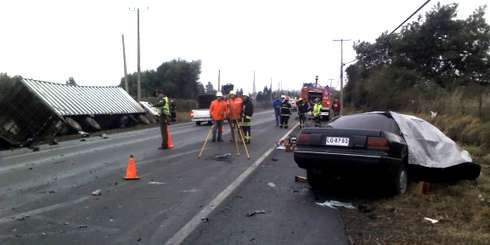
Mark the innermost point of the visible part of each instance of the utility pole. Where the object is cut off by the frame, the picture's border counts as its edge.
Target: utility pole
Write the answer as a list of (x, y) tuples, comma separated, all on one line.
[(126, 86), (331, 80), (139, 66), (219, 77), (254, 93), (316, 81), (342, 72)]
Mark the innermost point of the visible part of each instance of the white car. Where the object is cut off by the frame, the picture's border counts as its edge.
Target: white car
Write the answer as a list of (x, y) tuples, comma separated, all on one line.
[(201, 116)]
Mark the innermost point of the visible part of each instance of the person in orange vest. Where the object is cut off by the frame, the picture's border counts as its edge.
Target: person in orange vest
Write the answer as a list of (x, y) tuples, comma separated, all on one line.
[(234, 112), (217, 111)]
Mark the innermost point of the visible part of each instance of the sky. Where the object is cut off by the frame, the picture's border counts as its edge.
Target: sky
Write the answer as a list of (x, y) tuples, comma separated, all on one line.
[(288, 42)]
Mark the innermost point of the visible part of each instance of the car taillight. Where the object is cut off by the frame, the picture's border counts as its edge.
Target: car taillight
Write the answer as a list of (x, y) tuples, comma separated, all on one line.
[(304, 139), (378, 143)]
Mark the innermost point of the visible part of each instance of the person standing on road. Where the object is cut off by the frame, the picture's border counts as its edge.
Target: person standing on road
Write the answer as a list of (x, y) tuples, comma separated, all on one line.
[(173, 110), (336, 107), (234, 111), (317, 107), (285, 112), (303, 108), (217, 110), (164, 104), (276, 104), (246, 123)]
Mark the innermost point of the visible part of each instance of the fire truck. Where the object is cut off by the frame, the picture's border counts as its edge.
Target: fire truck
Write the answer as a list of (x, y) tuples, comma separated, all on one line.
[(311, 91)]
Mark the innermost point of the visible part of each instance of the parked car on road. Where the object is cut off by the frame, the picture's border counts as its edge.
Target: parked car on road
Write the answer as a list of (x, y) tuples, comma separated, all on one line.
[(383, 146), (201, 114), (359, 143)]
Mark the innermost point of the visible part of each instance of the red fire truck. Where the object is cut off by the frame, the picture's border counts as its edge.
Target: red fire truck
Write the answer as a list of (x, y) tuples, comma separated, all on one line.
[(311, 91)]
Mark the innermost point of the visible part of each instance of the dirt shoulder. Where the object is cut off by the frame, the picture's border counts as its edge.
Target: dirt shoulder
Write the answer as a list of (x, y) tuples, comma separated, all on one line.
[(462, 210)]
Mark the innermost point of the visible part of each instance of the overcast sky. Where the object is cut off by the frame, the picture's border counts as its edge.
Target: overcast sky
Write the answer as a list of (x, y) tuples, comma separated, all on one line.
[(288, 41)]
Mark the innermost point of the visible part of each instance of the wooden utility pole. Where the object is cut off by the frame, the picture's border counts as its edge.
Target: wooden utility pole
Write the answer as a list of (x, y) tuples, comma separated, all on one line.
[(138, 97), (254, 93), (219, 78), (341, 72), (126, 86)]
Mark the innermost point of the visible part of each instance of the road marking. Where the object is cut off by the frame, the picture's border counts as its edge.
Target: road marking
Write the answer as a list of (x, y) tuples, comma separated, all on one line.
[(190, 226), (42, 210)]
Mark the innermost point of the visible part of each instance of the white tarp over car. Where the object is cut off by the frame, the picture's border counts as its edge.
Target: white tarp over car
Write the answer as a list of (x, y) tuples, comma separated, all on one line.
[(427, 145)]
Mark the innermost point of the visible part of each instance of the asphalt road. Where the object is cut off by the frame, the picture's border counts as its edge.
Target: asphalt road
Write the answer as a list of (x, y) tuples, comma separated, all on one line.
[(45, 196)]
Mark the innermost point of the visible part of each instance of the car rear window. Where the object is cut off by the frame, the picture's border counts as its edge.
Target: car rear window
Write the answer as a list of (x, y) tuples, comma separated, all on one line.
[(367, 121)]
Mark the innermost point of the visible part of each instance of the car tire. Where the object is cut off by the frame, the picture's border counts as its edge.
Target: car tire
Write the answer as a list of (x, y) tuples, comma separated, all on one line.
[(314, 179), (198, 123), (399, 181)]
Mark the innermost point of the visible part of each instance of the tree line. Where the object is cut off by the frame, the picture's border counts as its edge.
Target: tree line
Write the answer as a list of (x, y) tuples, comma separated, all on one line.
[(428, 60), (178, 78)]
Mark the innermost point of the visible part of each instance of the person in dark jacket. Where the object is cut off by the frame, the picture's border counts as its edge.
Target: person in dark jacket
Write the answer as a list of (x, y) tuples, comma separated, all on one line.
[(173, 110), (246, 122), (276, 104), (285, 113), (303, 108)]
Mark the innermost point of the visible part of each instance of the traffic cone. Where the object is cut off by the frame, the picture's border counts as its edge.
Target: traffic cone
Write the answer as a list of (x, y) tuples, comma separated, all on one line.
[(131, 169), (169, 139)]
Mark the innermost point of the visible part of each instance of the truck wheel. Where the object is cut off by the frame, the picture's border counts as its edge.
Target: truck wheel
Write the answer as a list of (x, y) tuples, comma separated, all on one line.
[(198, 123)]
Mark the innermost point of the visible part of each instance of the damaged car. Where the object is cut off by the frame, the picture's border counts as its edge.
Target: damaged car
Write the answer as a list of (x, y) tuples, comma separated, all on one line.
[(385, 146)]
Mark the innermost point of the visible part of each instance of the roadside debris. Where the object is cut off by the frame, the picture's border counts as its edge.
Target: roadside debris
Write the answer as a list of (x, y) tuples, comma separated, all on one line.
[(334, 204), (51, 192), (97, 192), (205, 220), (300, 179), (433, 221), (104, 136), (82, 226), (250, 214), (223, 157), (156, 183), (83, 134), (271, 184)]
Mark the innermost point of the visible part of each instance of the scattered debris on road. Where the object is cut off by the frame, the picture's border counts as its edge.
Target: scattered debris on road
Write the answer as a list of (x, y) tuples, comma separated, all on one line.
[(104, 136), (97, 192), (205, 220), (300, 179), (433, 221), (82, 226), (156, 183), (334, 204), (51, 192), (223, 157), (250, 214), (271, 184)]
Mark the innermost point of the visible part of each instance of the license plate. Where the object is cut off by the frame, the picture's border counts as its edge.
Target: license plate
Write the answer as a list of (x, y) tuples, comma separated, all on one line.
[(337, 141)]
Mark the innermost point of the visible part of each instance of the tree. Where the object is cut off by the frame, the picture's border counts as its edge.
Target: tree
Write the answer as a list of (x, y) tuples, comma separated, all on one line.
[(210, 88), (227, 88), (71, 81), (177, 78)]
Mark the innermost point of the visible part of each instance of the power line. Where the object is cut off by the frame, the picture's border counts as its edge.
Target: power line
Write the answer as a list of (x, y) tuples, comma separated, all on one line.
[(423, 5)]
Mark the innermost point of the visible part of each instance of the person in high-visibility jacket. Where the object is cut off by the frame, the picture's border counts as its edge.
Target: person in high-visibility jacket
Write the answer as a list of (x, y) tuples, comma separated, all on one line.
[(317, 107), (164, 104), (234, 112), (246, 123), (217, 110), (285, 113)]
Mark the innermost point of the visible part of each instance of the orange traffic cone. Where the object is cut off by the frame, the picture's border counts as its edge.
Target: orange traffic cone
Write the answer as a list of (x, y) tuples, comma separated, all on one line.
[(131, 170), (169, 139)]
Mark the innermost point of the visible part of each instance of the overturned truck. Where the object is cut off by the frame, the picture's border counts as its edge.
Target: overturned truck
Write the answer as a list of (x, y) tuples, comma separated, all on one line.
[(33, 110)]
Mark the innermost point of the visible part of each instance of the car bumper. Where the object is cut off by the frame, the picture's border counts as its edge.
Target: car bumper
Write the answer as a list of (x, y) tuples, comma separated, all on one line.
[(201, 119), (345, 162)]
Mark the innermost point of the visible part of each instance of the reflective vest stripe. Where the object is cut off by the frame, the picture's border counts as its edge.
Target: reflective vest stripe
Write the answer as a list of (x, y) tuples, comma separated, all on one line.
[(166, 107)]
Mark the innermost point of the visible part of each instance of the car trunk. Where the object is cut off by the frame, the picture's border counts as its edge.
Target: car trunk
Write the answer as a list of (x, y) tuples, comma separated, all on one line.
[(337, 138)]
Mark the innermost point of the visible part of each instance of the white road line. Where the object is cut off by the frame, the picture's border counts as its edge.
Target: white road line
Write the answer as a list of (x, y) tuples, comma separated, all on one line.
[(190, 226)]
